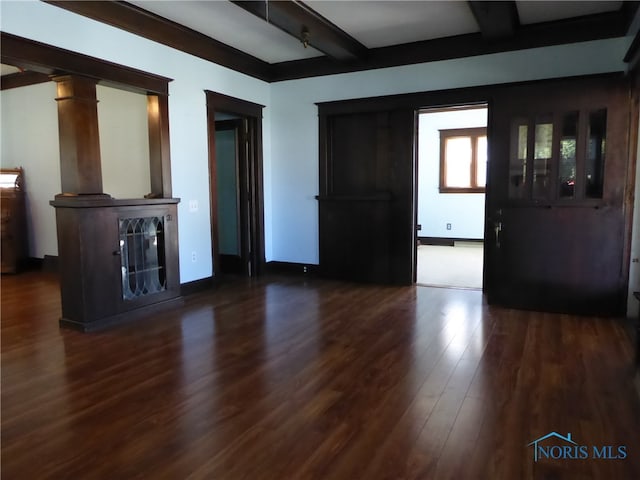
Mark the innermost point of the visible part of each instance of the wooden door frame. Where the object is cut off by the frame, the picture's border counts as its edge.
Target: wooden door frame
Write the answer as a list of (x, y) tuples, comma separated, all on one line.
[(252, 114), (414, 102), (486, 94), (239, 127)]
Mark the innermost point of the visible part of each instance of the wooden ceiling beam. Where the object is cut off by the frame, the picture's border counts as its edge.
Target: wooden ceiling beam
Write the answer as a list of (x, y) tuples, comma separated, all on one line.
[(307, 26), (497, 20), (49, 60), (22, 79), (154, 27)]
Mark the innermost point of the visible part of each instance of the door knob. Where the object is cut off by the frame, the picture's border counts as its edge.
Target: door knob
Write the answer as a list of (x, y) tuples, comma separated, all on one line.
[(497, 228)]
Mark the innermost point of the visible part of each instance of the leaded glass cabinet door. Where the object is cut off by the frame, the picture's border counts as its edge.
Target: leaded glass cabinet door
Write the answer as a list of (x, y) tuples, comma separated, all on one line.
[(142, 256), (556, 218), (147, 251)]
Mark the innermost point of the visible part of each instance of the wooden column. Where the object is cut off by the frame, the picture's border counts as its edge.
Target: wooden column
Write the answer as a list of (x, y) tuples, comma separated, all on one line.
[(160, 162), (80, 166)]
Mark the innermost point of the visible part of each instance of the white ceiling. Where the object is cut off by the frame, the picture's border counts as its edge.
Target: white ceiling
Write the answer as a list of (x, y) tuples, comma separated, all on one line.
[(8, 69), (382, 23), (546, 11), (374, 23), (230, 24)]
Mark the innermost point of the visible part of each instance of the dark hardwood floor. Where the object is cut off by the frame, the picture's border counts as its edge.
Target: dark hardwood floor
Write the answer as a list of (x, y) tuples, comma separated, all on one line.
[(292, 378)]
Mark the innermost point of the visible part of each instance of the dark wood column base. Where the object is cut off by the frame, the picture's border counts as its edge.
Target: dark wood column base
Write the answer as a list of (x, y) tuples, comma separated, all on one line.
[(122, 318)]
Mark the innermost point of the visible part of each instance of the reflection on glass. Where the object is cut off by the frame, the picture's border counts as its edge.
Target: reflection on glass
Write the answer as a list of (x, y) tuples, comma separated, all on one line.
[(458, 162), (542, 157), (518, 159), (594, 168), (481, 161), (142, 256), (567, 164)]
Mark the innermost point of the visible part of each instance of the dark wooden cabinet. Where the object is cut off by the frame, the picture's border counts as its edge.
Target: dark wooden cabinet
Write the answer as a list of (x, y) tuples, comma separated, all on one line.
[(14, 223), (118, 257)]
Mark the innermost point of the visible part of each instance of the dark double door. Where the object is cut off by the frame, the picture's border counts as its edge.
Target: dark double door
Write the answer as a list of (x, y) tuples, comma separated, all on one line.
[(557, 214), (557, 209), (366, 196)]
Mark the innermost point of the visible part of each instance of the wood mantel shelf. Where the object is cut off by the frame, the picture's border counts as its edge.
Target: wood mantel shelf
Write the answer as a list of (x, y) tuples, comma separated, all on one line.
[(90, 201)]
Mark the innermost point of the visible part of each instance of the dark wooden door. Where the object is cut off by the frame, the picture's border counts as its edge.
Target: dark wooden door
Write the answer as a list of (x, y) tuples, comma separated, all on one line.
[(556, 215), (366, 201)]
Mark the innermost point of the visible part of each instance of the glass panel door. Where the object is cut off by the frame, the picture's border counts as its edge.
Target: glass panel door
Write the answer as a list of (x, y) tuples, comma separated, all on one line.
[(518, 158), (542, 157), (228, 192), (142, 256), (567, 161)]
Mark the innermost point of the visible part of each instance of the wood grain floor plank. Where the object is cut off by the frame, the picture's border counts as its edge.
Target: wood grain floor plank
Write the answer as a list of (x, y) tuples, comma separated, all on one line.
[(298, 378)]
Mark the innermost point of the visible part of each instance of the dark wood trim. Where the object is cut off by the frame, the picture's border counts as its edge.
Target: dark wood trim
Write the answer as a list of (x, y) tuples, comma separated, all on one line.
[(136, 20), (252, 113), (50, 60), (632, 166), (291, 268), (79, 139), (446, 241), (595, 27), (378, 197), (632, 51), (437, 99), (122, 318), (213, 189), (496, 19), (22, 79), (455, 108), (196, 286), (51, 263), (227, 104), (140, 22), (159, 146), (296, 18), (632, 57)]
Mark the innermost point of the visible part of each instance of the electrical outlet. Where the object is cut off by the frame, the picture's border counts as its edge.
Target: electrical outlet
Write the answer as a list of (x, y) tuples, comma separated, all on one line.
[(193, 205), (448, 226), (194, 257)]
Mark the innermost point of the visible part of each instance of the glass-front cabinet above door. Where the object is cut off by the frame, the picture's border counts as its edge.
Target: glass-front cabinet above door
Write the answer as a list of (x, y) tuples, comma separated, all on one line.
[(558, 157)]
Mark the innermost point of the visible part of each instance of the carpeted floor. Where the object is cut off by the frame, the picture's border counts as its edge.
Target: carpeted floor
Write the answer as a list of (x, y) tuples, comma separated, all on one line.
[(458, 266)]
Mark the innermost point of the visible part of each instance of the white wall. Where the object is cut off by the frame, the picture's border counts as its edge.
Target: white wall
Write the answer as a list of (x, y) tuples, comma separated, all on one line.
[(464, 211), (187, 108), (29, 138), (124, 142), (294, 136), (290, 125)]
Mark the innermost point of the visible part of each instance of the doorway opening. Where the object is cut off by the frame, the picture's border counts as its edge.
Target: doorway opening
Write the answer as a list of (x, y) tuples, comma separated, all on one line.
[(236, 185), (451, 182)]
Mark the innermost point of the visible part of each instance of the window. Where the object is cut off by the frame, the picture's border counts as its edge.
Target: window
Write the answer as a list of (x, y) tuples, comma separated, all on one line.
[(463, 160)]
